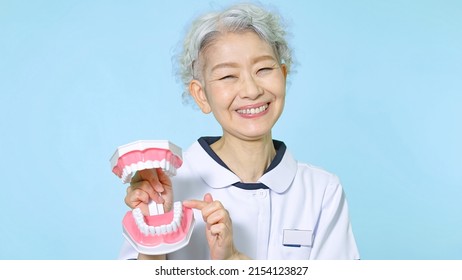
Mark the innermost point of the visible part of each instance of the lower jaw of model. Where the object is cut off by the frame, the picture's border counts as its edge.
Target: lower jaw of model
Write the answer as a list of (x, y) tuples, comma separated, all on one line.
[(159, 234)]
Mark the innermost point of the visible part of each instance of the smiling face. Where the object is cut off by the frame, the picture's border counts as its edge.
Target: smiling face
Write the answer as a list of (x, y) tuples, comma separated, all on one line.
[(242, 84)]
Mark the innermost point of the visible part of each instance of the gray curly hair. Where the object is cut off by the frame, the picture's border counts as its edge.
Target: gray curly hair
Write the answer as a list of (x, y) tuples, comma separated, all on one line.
[(237, 18)]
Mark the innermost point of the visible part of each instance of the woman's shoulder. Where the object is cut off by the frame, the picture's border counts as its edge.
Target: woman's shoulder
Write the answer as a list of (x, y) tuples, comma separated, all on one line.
[(318, 174), (315, 169)]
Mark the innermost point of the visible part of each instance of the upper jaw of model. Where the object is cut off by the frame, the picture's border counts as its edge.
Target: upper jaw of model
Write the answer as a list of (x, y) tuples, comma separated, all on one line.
[(158, 233), (145, 154)]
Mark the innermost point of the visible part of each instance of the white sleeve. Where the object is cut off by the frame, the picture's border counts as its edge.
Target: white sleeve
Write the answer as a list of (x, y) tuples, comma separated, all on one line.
[(127, 252), (333, 234)]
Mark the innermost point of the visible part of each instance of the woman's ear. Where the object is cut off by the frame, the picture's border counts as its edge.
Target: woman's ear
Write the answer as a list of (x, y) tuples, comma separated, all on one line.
[(198, 93), (284, 70)]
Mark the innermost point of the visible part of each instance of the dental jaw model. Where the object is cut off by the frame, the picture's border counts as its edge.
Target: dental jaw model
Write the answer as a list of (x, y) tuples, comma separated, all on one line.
[(159, 233)]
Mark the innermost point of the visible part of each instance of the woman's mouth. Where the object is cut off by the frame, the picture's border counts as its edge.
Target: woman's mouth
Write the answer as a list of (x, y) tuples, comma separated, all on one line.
[(253, 111)]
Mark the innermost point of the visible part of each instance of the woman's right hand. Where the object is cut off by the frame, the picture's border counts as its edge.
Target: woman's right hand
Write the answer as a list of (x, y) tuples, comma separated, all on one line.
[(149, 184)]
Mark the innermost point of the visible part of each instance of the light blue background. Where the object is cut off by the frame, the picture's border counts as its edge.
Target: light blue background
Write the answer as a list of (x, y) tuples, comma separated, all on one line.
[(376, 99)]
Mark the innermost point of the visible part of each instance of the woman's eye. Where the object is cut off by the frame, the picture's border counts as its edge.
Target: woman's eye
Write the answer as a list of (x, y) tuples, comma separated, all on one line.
[(227, 77), (265, 69)]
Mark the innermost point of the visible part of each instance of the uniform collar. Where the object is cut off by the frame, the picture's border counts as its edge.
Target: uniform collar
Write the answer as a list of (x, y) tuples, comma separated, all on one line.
[(216, 174)]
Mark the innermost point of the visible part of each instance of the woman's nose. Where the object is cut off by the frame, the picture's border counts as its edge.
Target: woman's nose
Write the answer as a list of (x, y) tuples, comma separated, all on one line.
[(250, 88)]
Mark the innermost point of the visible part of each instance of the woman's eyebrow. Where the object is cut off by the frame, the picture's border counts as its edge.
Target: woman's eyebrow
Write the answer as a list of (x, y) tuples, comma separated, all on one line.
[(236, 65), (225, 65), (264, 57)]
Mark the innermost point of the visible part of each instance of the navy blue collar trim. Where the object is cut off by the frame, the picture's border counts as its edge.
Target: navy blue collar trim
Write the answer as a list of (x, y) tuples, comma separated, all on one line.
[(205, 144), (250, 186), (279, 146)]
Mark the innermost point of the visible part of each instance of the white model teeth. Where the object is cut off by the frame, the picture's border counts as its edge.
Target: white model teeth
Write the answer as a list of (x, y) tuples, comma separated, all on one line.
[(129, 170), (253, 111), (163, 229)]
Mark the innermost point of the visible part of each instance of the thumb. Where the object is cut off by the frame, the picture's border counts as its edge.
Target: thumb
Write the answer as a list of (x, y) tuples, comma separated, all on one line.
[(208, 197)]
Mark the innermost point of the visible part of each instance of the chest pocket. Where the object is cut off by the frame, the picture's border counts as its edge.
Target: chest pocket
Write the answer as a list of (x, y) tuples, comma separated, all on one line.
[(296, 244), (295, 253)]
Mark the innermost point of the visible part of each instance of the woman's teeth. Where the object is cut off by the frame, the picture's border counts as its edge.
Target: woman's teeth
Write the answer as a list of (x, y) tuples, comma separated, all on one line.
[(253, 111)]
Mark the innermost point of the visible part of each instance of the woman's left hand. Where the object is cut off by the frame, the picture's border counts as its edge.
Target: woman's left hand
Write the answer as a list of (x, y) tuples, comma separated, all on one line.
[(219, 227)]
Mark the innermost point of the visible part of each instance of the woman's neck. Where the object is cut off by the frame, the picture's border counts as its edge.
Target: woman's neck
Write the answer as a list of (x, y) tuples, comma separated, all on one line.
[(247, 159)]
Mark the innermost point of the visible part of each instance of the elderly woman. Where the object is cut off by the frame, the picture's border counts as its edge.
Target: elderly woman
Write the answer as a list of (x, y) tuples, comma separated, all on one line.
[(252, 199)]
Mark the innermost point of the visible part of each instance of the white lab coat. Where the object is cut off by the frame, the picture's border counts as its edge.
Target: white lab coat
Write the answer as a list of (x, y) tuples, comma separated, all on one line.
[(295, 211)]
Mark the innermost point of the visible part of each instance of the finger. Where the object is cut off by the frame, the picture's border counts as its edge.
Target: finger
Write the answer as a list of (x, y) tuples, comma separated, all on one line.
[(164, 179), (144, 186), (218, 230), (218, 216), (149, 175), (155, 181), (140, 195), (138, 198), (135, 197), (214, 208), (196, 204), (141, 175), (144, 209), (208, 197), (158, 199), (135, 178)]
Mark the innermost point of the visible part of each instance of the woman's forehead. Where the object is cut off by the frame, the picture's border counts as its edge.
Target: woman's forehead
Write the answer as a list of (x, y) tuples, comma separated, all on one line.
[(237, 46)]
